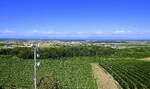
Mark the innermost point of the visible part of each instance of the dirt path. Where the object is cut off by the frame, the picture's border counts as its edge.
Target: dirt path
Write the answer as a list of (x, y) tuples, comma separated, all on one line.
[(145, 59), (103, 78)]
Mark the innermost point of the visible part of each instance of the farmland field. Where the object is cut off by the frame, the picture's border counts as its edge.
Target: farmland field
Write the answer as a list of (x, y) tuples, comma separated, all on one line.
[(130, 74), (71, 74), (75, 73)]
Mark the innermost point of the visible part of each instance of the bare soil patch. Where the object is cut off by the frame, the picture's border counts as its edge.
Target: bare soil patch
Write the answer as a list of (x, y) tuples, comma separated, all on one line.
[(145, 59), (103, 78)]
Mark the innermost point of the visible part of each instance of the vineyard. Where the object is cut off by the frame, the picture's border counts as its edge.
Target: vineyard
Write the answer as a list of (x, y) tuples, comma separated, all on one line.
[(70, 73), (130, 74), (73, 72)]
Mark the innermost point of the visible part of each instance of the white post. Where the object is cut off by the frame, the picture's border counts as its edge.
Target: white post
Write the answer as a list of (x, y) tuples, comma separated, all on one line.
[(34, 67)]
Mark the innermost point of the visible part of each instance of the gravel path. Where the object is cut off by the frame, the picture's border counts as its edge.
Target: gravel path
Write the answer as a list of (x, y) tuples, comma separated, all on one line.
[(103, 78), (145, 59)]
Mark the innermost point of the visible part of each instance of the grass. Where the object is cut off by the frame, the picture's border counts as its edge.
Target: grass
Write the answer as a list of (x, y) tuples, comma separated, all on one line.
[(71, 74)]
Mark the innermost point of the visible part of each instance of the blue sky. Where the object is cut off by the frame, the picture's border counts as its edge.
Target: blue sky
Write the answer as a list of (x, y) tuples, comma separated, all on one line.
[(82, 19)]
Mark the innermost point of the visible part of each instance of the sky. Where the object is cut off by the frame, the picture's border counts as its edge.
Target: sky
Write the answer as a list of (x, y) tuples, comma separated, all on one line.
[(75, 19)]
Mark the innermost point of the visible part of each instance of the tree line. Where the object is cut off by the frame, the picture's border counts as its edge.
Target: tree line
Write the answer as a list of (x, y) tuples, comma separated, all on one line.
[(77, 51), (59, 52)]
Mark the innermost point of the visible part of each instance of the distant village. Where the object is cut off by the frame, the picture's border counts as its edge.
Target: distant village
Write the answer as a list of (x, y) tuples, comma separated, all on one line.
[(55, 43)]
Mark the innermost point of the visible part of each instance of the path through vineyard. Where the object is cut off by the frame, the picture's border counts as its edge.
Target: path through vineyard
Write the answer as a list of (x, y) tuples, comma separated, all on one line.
[(103, 78), (145, 59)]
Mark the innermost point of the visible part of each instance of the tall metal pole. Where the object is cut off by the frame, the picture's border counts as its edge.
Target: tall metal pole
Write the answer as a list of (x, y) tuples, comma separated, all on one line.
[(35, 67)]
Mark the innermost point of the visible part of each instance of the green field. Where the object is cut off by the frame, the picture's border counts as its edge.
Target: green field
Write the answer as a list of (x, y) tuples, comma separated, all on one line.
[(72, 70), (71, 74), (130, 74)]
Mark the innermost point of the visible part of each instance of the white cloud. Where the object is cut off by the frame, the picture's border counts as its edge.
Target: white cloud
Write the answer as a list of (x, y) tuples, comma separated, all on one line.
[(122, 32), (129, 31), (50, 32), (88, 33), (7, 32), (119, 31), (98, 33), (81, 33), (42, 32), (35, 31)]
